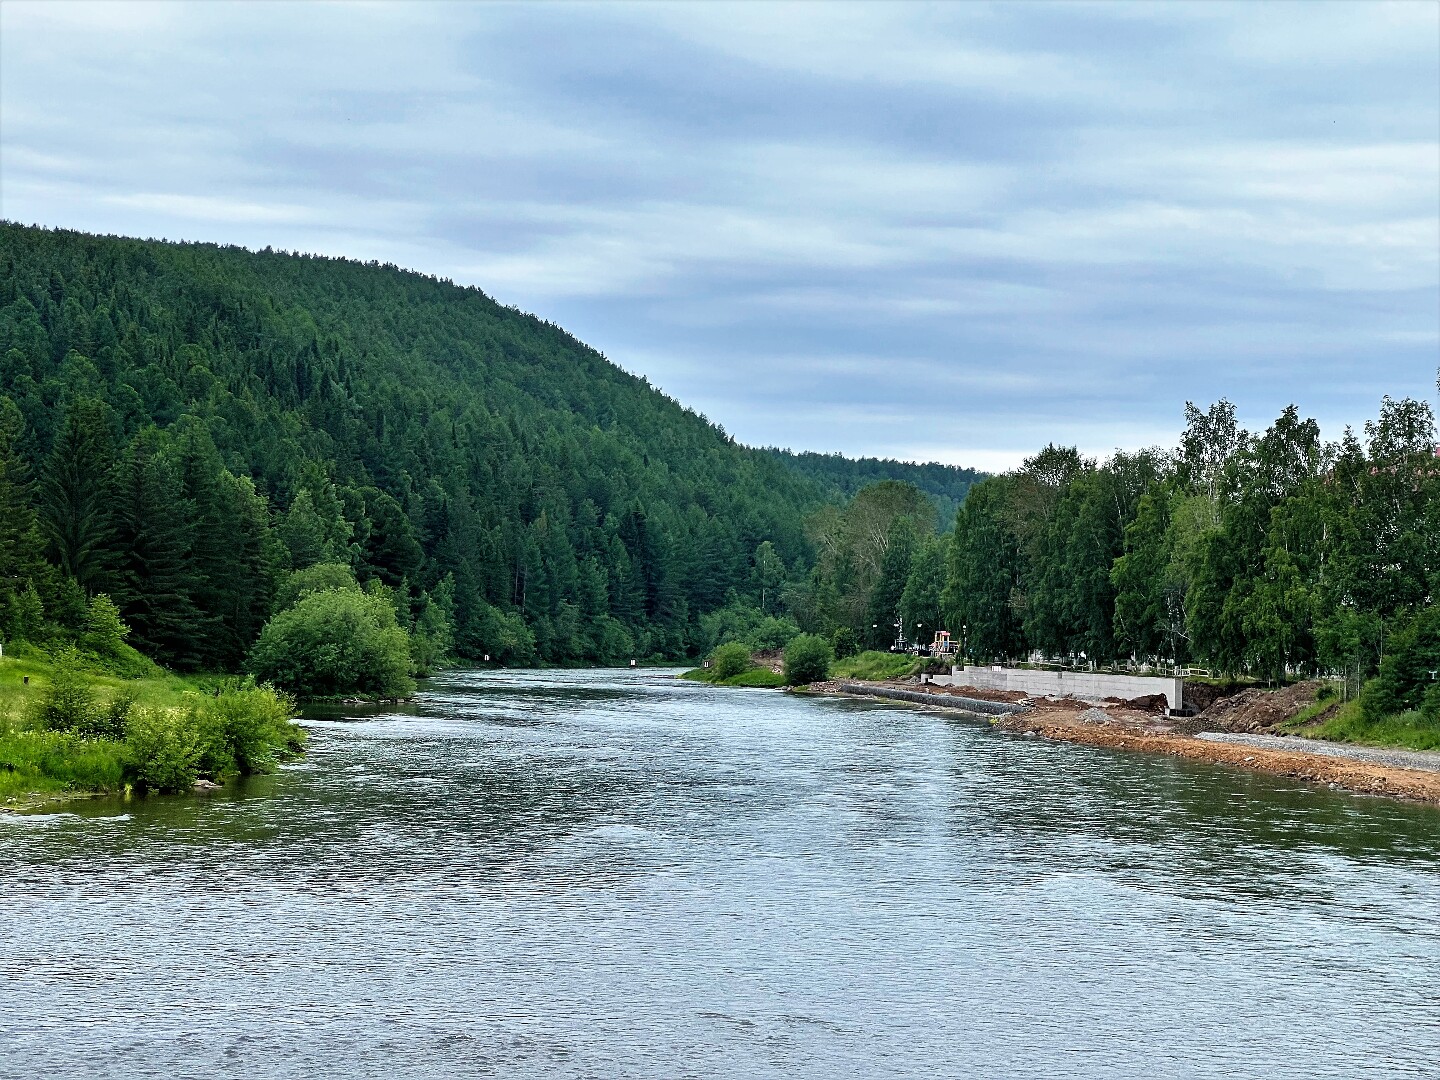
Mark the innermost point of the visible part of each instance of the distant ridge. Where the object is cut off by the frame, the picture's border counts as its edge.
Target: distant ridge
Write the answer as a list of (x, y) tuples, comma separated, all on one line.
[(946, 485)]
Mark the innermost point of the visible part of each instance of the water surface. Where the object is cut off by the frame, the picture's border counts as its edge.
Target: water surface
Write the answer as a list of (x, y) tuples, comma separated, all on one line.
[(597, 874)]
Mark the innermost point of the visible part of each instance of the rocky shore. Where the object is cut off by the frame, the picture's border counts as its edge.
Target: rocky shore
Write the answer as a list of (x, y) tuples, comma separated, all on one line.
[(1139, 726)]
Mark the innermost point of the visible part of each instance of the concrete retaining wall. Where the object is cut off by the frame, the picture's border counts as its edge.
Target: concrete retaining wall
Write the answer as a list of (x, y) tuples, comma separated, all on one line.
[(1080, 684)]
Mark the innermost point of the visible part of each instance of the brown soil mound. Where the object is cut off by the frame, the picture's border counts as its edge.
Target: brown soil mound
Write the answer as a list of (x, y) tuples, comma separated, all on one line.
[(1147, 702), (1255, 709), (773, 659), (1201, 695)]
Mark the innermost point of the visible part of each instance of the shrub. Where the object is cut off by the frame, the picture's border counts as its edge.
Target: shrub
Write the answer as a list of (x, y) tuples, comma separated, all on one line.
[(129, 664), (742, 622), (109, 722), (807, 660), (104, 633), (1410, 729), (1430, 703), (335, 643), (163, 748), (873, 665), (253, 725), (729, 660), (66, 703), (845, 643)]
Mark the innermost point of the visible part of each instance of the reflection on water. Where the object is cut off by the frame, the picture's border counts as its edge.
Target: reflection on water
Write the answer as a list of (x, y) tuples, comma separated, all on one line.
[(614, 874)]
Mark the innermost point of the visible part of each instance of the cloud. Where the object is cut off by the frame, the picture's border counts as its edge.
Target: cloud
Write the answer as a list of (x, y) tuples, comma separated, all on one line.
[(955, 230)]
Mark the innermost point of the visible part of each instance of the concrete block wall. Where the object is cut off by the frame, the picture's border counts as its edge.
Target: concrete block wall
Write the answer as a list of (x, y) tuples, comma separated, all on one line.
[(1080, 684)]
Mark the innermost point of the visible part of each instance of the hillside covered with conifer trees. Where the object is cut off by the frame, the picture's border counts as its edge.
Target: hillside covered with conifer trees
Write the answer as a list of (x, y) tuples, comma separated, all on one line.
[(182, 426)]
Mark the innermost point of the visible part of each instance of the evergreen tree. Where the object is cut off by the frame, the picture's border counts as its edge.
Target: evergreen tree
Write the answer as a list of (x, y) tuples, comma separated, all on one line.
[(153, 577), (22, 563), (72, 498)]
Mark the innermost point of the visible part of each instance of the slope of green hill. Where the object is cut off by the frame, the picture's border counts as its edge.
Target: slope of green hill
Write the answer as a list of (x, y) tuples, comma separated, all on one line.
[(181, 425)]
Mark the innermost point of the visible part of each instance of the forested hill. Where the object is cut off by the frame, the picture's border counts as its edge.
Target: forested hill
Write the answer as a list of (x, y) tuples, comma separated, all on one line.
[(946, 485), (183, 424)]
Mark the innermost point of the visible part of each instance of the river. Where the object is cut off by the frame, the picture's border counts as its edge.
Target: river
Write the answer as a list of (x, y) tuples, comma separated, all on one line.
[(610, 874)]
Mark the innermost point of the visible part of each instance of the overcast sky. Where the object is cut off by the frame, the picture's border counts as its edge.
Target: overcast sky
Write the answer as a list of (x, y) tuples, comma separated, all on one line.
[(945, 232)]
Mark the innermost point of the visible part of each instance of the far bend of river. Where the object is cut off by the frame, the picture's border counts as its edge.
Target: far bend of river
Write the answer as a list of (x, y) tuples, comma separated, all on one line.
[(612, 874)]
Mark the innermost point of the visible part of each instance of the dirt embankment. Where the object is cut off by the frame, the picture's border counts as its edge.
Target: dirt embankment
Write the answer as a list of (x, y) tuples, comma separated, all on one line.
[(1254, 710), (770, 659), (1115, 733), (1141, 724)]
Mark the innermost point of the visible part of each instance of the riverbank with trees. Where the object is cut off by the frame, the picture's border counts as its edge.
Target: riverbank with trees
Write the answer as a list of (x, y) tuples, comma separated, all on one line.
[(334, 477), (1261, 558), (71, 726)]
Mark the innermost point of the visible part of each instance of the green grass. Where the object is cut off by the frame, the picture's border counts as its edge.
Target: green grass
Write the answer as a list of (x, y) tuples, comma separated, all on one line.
[(1408, 729), (873, 666), (36, 764), (48, 763), (760, 677), (159, 687), (1302, 723), (52, 762), (755, 677)]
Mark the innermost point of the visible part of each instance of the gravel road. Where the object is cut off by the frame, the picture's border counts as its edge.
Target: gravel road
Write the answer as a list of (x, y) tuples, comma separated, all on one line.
[(1428, 760)]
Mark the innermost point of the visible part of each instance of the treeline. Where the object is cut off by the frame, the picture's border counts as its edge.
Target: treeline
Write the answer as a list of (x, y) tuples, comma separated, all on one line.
[(1272, 554), (198, 443), (182, 426), (945, 485)]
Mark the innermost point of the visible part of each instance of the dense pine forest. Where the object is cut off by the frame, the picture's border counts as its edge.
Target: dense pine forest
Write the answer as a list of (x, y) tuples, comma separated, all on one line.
[(194, 439)]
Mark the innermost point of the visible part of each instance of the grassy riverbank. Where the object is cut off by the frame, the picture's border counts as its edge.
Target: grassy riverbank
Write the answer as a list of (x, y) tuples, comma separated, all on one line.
[(756, 677), (76, 729), (754, 670), (1410, 730)]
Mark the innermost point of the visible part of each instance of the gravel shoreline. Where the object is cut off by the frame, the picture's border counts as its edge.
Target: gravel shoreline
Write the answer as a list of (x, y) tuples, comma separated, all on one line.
[(1413, 775), (1425, 760)]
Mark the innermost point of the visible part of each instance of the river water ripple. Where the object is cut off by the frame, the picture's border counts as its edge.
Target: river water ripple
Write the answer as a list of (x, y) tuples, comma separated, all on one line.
[(610, 874)]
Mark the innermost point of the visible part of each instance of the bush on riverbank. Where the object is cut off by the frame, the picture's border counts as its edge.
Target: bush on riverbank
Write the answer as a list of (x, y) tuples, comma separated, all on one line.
[(730, 660), (1401, 705), (336, 642), (1406, 681), (748, 625), (76, 729), (807, 660), (732, 665), (1412, 729)]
